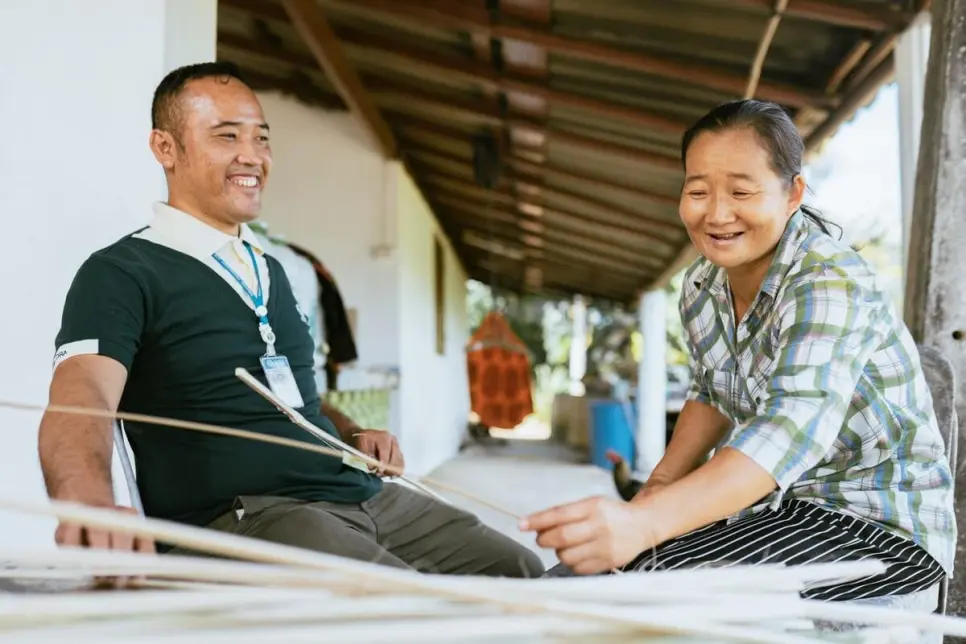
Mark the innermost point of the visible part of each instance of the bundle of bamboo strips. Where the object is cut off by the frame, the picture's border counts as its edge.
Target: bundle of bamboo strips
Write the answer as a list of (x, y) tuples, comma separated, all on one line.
[(255, 591)]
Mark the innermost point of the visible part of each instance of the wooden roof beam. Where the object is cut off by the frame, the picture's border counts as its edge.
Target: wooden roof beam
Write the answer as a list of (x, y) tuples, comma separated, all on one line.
[(414, 127), (538, 249), (464, 189), (447, 160), (551, 238), (834, 12), (454, 16), (397, 95), (473, 71), (310, 22), (689, 252), (657, 228), (549, 221)]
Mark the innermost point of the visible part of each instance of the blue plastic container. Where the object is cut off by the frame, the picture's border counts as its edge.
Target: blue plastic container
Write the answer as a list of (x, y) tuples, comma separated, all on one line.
[(610, 429)]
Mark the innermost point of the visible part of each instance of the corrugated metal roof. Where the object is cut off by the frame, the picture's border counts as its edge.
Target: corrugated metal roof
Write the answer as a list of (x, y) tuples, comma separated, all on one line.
[(588, 100)]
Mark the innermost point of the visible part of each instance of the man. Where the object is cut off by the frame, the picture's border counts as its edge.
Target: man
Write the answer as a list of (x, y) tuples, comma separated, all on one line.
[(157, 322)]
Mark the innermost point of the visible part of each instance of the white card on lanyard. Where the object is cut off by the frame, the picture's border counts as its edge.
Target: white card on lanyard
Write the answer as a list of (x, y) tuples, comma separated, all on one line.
[(281, 380), (277, 370)]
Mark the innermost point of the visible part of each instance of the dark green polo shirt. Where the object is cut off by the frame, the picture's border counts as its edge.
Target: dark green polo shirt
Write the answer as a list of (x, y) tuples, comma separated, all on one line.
[(181, 331)]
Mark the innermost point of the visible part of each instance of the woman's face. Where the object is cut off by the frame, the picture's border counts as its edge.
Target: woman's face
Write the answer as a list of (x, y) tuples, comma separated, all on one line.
[(733, 204)]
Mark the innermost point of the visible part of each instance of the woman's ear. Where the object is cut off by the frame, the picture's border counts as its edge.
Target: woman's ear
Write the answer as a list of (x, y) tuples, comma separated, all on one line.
[(796, 194)]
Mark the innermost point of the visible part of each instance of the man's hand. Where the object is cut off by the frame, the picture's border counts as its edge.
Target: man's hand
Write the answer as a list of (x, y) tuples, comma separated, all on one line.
[(381, 446), (79, 536), (594, 535)]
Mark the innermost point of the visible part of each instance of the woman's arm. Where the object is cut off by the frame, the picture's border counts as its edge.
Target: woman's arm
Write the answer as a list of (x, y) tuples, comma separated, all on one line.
[(728, 483), (828, 329), (699, 428)]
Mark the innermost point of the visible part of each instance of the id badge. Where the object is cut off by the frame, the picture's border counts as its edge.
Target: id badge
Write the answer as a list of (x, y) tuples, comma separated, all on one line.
[(282, 381)]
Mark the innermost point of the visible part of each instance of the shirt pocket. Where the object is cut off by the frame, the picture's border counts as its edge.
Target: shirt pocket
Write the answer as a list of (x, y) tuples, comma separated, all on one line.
[(721, 387), (758, 379)]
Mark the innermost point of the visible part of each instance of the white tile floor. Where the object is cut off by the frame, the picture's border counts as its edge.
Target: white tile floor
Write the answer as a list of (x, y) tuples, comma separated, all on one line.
[(521, 477)]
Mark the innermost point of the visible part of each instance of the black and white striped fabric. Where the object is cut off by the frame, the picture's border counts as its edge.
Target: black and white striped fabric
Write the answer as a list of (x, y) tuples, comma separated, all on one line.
[(799, 533)]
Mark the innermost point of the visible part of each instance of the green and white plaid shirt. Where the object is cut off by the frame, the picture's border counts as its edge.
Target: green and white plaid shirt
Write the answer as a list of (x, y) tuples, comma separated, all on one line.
[(824, 388)]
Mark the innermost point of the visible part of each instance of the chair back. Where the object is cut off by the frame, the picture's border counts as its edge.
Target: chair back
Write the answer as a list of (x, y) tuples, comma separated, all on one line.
[(120, 445), (941, 378)]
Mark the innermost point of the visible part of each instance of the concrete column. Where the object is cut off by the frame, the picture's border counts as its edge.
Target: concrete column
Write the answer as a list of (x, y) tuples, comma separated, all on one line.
[(912, 57), (578, 346), (77, 173), (935, 307), (652, 381)]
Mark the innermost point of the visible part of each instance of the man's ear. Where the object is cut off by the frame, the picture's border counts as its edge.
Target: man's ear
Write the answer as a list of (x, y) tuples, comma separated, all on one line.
[(164, 148)]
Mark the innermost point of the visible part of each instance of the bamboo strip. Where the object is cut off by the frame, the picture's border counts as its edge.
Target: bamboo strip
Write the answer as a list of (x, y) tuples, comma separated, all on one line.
[(626, 589), (175, 423), (405, 630), (230, 545), (746, 608), (764, 44), (299, 420)]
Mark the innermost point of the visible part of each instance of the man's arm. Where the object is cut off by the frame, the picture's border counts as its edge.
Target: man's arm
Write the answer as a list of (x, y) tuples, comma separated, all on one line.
[(100, 333), (380, 445), (346, 427), (76, 450)]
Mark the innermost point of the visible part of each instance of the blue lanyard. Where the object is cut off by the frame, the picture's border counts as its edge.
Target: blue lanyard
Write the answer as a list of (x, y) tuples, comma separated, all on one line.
[(258, 298)]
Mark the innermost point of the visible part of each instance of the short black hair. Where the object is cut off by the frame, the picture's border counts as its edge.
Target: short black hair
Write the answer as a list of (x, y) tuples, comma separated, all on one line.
[(165, 114)]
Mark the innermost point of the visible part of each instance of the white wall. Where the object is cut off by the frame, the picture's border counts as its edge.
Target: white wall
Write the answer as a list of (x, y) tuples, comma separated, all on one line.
[(331, 192), (76, 81), (434, 390), (328, 193)]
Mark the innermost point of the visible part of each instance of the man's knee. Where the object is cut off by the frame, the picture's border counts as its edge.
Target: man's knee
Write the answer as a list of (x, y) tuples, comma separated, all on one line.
[(524, 563), (505, 557)]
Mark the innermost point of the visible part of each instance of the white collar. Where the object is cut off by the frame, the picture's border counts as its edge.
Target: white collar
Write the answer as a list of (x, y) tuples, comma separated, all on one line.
[(194, 237)]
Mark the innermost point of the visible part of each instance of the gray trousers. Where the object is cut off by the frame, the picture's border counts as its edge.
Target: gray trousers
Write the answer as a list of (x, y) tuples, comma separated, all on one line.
[(397, 527)]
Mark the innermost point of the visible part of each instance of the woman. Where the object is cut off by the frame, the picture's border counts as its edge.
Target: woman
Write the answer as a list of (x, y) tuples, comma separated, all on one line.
[(807, 387)]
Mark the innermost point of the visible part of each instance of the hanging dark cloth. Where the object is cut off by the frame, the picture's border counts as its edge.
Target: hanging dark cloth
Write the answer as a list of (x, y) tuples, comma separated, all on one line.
[(338, 332)]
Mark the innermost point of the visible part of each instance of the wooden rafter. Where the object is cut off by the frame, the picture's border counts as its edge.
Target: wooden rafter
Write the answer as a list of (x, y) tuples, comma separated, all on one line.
[(526, 59), (423, 90), (452, 163), (689, 253), (758, 64), (396, 95), (454, 16), (454, 198), (309, 21), (834, 12), (520, 162), (562, 249), (658, 228), (463, 212), (476, 72), (459, 186)]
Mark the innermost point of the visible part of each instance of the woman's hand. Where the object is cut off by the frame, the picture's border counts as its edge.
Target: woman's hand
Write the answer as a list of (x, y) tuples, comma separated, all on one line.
[(594, 535)]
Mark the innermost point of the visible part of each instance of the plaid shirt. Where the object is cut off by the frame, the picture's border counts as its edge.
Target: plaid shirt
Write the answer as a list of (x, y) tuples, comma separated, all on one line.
[(824, 388)]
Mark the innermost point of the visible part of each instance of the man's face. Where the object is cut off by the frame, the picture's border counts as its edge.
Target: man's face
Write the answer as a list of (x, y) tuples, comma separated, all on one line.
[(220, 160)]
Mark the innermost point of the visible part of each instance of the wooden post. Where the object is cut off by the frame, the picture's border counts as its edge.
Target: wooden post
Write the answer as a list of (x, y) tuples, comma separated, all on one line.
[(935, 299), (935, 302)]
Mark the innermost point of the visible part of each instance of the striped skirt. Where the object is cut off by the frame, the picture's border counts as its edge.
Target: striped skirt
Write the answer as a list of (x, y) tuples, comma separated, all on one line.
[(801, 533)]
